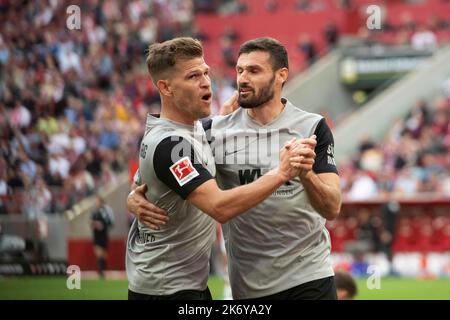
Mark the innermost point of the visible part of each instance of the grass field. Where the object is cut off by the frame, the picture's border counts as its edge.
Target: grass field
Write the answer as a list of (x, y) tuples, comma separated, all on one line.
[(55, 288), (52, 288)]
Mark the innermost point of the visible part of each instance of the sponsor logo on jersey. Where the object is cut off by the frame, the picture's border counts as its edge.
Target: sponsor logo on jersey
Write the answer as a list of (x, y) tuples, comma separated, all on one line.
[(247, 176), (331, 161), (330, 150), (330, 155), (183, 171)]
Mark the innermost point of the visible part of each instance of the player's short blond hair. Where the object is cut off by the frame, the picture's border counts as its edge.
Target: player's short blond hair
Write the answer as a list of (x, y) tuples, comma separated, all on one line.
[(162, 57)]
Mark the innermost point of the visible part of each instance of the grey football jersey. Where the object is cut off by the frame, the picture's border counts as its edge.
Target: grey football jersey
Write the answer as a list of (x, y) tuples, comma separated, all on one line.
[(175, 257), (282, 242)]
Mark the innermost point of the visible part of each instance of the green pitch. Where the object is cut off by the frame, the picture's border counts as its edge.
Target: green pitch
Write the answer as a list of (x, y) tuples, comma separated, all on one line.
[(55, 288), (405, 289)]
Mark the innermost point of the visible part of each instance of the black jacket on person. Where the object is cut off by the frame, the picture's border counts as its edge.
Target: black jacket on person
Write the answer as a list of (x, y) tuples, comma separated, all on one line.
[(105, 216)]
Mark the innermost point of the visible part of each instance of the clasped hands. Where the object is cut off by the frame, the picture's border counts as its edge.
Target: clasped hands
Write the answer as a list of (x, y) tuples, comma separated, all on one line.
[(297, 157)]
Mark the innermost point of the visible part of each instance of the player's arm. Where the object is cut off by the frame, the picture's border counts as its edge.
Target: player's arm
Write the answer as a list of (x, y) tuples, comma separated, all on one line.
[(200, 188), (324, 192), (321, 181), (223, 205), (145, 211)]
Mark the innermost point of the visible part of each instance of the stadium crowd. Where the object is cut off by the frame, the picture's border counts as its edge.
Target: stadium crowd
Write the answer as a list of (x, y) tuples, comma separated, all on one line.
[(412, 161), (72, 101)]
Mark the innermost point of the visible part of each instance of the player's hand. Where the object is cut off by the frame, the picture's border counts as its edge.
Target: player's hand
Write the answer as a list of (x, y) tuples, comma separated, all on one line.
[(304, 155), (147, 213), (230, 105), (285, 168)]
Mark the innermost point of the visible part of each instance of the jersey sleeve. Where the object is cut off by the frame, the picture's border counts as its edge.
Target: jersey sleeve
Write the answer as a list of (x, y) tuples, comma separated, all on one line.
[(324, 149), (176, 164)]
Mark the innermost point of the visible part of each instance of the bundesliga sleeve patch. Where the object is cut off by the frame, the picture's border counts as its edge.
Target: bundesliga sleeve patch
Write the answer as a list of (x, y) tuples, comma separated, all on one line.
[(183, 171)]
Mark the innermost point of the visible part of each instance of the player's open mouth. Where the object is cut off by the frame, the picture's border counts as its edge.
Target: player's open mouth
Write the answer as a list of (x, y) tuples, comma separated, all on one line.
[(207, 97)]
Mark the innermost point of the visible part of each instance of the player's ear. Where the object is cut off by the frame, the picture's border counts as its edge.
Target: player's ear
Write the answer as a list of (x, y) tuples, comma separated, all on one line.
[(282, 75), (164, 87)]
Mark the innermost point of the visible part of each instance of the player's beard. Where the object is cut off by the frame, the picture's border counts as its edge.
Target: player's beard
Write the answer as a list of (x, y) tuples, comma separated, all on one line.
[(266, 94)]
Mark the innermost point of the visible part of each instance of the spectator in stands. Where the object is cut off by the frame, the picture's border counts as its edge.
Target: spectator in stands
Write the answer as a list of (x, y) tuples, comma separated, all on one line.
[(366, 143), (306, 5), (205, 6), (271, 6), (228, 54), (101, 222), (306, 46), (15, 178), (82, 180), (196, 34), (344, 4), (302, 5), (363, 187), (424, 39), (20, 117), (41, 197), (331, 35), (241, 7), (65, 197), (406, 184), (230, 33)]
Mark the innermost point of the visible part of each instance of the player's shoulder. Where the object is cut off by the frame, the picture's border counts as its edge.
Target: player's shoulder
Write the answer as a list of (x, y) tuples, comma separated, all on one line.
[(299, 112), (155, 137), (169, 142), (299, 116), (227, 120), (164, 134)]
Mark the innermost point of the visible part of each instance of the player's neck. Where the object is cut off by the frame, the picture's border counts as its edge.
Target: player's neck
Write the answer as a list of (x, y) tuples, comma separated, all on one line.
[(174, 115), (267, 112)]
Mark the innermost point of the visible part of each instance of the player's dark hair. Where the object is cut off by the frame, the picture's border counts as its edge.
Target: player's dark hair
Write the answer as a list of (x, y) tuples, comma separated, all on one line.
[(162, 57), (344, 281), (278, 53)]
